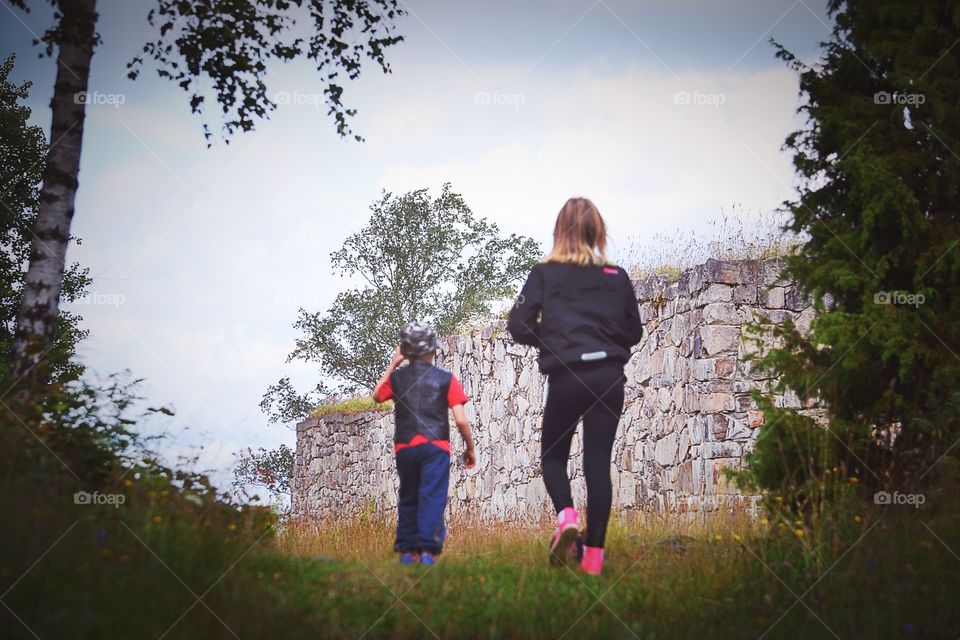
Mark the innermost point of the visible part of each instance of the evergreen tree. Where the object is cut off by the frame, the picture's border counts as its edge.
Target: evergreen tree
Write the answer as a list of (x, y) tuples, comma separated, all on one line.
[(880, 204)]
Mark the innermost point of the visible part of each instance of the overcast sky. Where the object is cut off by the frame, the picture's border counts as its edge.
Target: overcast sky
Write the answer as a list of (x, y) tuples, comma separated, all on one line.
[(201, 257)]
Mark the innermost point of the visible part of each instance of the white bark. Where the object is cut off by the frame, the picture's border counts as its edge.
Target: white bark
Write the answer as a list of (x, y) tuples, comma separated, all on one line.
[(39, 307)]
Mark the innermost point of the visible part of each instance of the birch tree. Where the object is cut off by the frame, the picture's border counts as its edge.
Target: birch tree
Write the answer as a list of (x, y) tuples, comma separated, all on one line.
[(223, 44)]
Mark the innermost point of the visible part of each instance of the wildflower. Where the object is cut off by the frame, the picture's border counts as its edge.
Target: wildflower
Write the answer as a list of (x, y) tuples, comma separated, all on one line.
[(764, 522), (736, 537), (232, 527), (781, 525), (778, 499), (798, 533), (718, 538), (124, 558), (853, 479), (798, 522), (482, 579), (128, 483), (164, 493), (152, 494), (157, 519), (857, 519), (107, 552)]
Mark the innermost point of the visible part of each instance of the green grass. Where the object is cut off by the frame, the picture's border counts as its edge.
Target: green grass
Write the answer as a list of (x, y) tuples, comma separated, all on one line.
[(357, 404), (124, 574), (177, 561)]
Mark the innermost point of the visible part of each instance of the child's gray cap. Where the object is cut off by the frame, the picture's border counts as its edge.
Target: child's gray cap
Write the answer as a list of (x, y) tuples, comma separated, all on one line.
[(418, 339)]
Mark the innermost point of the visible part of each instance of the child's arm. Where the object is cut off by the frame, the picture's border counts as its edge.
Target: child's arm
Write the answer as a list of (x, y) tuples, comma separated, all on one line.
[(394, 363), (463, 425)]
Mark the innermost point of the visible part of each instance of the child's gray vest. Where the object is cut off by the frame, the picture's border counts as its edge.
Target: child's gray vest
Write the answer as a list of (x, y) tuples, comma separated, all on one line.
[(420, 401)]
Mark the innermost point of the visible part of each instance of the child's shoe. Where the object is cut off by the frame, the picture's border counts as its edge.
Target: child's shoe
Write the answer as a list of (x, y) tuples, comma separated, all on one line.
[(427, 559), (564, 536), (407, 558), (592, 562)]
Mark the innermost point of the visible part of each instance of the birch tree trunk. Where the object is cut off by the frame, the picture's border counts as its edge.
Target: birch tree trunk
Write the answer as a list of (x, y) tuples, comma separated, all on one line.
[(39, 307)]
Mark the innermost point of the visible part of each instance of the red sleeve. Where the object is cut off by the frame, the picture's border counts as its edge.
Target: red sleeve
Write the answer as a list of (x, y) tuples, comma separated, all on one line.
[(455, 395), (385, 392)]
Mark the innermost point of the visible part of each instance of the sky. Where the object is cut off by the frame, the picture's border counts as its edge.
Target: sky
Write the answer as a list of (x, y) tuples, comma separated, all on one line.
[(664, 113)]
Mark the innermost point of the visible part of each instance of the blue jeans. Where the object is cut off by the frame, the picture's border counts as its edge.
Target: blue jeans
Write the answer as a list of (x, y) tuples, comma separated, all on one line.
[(424, 478)]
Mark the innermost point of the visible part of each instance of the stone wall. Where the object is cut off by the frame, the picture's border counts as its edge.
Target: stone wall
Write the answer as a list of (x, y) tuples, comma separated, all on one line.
[(688, 412)]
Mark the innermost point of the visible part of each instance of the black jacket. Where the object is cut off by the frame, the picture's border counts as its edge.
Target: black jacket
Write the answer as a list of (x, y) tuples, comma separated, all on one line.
[(420, 401), (576, 314)]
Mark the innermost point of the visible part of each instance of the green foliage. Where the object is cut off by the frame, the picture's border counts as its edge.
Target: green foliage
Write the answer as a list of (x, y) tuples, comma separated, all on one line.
[(228, 45), (23, 150), (179, 559), (878, 205), (272, 470), (419, 258)]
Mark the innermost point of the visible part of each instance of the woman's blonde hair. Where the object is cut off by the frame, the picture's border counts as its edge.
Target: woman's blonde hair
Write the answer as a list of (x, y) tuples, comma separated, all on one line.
[(580, 235)]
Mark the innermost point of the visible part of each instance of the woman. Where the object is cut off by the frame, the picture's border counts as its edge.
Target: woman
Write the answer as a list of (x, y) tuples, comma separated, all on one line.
[(581, 313)]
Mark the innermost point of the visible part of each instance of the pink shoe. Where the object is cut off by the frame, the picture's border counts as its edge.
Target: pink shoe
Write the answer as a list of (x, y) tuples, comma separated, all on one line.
[(592, 562), (564, 536)]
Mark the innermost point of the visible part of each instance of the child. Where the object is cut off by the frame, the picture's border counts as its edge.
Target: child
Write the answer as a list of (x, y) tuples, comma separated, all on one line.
[(422, 393), (581, 312)]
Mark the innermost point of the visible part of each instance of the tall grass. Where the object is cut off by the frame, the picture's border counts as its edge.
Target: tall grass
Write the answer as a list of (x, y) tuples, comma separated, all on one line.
[(735, 234)]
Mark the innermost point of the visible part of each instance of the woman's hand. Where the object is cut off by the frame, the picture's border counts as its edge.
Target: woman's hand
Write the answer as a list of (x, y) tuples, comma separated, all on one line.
[(469, 458)]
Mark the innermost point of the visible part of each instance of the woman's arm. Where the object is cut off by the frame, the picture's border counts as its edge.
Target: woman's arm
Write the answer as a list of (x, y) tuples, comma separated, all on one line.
[(522, 323)]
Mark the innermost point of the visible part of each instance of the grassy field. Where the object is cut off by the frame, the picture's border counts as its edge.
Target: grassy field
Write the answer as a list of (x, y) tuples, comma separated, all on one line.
[(169, 570)]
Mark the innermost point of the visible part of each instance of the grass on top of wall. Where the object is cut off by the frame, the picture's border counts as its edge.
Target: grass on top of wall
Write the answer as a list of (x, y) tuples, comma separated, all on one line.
[(734, 235), (349, 406)]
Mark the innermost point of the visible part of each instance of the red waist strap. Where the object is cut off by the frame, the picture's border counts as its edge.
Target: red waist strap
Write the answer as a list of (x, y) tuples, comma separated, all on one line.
[(419, 439)]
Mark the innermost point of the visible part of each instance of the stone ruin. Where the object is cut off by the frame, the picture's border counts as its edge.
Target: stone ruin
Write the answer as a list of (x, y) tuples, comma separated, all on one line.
[(688, 413)]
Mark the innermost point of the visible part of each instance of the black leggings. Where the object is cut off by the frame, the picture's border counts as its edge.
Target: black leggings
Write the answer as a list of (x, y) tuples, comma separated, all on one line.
[(593, 391)]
